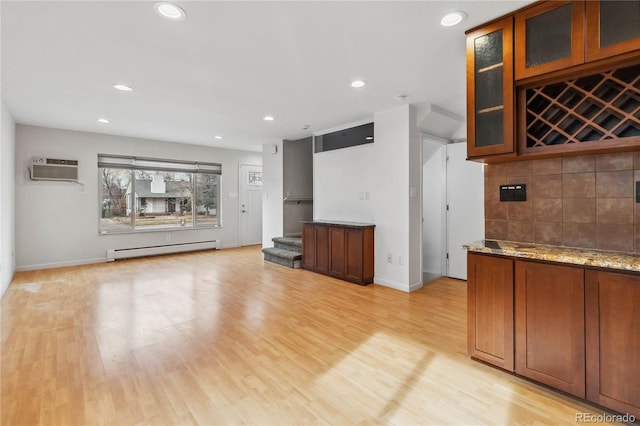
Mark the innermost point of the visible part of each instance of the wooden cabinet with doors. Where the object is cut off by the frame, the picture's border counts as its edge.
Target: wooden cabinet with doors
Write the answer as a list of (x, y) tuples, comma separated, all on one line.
[(549, 37), (555, 35), (343, 250), (490, 98), (575, 66), (490, 309), (612, 28), (613, 340), (549, 325)]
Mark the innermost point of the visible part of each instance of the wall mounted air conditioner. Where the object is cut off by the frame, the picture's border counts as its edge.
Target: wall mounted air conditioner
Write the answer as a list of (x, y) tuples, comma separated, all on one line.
[(54, 169)]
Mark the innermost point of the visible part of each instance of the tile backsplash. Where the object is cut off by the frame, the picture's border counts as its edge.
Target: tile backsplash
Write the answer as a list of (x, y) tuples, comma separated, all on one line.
[(585, 201)]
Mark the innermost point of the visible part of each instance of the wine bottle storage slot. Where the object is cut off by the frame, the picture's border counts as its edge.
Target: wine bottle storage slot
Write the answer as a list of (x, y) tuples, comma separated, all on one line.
[(598, 107)]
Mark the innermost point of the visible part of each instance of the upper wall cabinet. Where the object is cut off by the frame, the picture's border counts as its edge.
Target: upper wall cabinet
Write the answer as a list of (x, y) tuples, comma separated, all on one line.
[(549, 37), (556, 35), (613, 27), (490, 99)]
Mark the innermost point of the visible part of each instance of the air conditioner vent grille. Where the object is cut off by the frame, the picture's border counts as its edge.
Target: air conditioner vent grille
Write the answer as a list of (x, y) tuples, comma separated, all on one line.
[(54, 169)]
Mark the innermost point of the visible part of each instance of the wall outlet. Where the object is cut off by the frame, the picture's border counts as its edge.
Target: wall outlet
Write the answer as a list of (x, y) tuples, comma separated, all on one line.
[(399, 260), (389, 258), (168, 237)]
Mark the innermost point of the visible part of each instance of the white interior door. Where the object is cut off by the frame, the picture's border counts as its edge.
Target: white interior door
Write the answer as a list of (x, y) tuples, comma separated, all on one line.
[(250, 204), (465, 200)]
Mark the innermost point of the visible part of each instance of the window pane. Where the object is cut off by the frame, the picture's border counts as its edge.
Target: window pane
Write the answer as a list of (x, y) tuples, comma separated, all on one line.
[(207, 199), (161, 199), (114, 184)]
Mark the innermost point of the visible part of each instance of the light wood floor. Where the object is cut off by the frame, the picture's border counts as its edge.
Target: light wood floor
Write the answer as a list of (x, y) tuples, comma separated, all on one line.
[(220, 337)]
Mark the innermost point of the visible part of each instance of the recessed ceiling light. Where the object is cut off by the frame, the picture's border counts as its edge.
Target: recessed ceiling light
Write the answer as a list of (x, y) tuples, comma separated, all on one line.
[(123, 87), (453, 18), (217, 137), (358, 83), (104, 121), (369, 138), (267, 118), (169, 11)]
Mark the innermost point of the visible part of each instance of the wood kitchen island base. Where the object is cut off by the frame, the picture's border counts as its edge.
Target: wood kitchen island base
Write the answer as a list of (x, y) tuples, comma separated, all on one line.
[(342, 250)]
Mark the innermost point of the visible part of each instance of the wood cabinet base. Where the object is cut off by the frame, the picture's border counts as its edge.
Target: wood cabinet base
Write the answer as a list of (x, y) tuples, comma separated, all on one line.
[(340, 251)]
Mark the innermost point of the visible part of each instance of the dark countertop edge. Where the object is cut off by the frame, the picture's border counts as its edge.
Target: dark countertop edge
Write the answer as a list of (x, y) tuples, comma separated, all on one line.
[(339, 223), (619, 261)]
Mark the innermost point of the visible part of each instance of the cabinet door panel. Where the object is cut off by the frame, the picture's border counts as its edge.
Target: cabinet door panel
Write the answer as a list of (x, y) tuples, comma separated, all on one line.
[(354, 255), (309, 247), (549, 311), (549, 37), (322, 249), (336, 252), (613, 340), (612, 28), (490, 100), (490, 309)]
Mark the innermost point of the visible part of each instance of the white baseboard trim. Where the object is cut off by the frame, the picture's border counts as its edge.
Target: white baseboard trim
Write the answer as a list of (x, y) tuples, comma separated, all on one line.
[(398, 286), (60, 264)]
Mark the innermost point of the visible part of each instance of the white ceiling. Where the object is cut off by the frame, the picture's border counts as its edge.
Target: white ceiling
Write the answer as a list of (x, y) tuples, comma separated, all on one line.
[(228, 64)]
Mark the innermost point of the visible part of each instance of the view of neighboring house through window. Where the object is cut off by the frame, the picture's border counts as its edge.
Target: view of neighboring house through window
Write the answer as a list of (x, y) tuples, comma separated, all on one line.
[(146, 194)]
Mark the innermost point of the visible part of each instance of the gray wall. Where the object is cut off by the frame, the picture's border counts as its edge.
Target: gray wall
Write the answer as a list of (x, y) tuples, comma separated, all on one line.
[(57, 222), (298, 184), (7, 199)]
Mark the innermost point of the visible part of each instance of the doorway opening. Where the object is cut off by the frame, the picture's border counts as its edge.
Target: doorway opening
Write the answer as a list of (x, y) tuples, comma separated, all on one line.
[(452, 208)]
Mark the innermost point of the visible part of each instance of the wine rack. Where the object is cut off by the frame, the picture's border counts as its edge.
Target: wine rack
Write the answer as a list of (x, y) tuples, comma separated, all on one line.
[(598, 107)]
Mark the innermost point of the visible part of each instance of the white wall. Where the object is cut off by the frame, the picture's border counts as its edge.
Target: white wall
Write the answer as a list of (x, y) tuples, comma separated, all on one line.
[(7, 199), (371, 183), (57, 222), (433, 235), (272, 193)]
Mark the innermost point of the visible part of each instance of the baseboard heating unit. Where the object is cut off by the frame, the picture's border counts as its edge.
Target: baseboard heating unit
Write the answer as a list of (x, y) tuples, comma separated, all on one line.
[(113, 254)]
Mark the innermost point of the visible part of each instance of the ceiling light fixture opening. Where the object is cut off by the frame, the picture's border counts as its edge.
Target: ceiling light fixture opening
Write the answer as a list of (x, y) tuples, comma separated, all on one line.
[(104, 121), (453, 18), (122, 87), (357, 83), (169, 11), (267, 118)]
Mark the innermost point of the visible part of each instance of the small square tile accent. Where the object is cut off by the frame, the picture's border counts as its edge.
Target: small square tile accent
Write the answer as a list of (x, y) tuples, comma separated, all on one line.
[(547, 166), (618, 161), (579, 185), (519, 168), (581, 164), (520, 210), (579, 235), (495, 210), (496, 170), (614, 211), (496, 229), (615, 237), (547, 233), (579, 210), (547, 186), (547, 210), (614, 184), (520, 231)]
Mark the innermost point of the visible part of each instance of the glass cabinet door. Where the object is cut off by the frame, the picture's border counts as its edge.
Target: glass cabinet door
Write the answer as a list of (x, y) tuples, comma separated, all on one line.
[(613, 27), (549, 37), (490, 89)]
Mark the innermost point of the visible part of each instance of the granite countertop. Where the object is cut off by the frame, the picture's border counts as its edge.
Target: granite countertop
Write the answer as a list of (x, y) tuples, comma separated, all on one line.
[(340, 223), (574, 256)]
